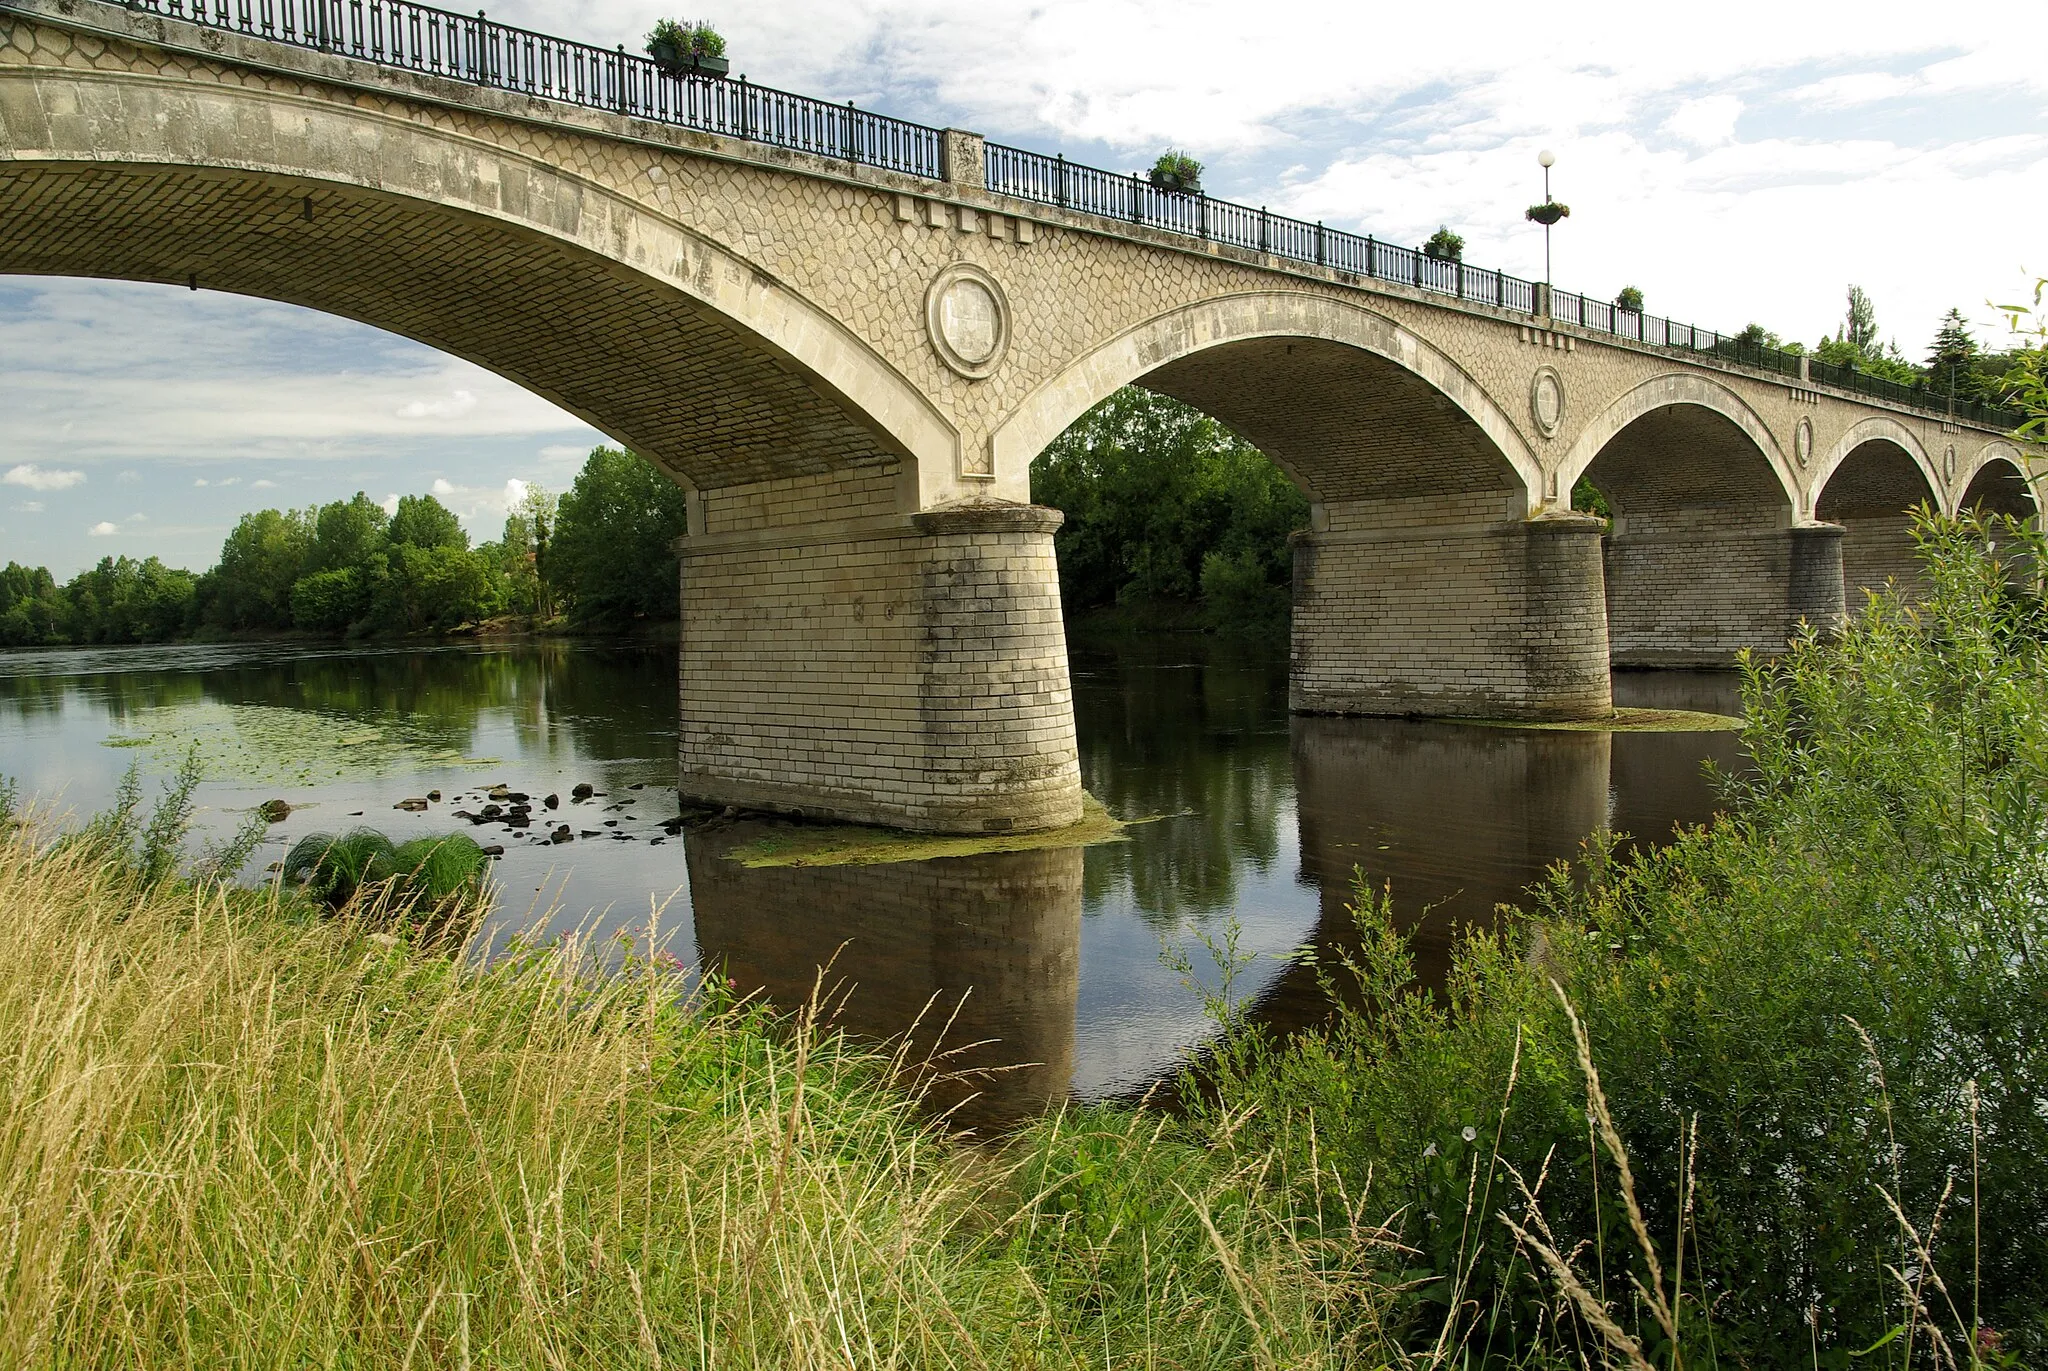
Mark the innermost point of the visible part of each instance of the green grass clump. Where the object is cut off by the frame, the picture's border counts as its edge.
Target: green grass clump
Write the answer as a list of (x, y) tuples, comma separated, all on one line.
[(234, 1134)]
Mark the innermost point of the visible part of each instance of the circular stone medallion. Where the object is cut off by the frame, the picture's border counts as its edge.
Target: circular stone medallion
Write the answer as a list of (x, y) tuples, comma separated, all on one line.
[(1546, 400), (1948, 463), (968, 318), (1802, 442)]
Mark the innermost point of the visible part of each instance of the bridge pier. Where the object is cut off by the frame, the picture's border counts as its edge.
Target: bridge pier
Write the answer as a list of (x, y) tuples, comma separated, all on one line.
[(1429, 607), (908, 670), (1693, 594)]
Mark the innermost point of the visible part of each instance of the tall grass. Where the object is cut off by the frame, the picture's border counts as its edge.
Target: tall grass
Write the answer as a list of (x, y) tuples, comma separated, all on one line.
[(234, 1132), (1821, 1025)]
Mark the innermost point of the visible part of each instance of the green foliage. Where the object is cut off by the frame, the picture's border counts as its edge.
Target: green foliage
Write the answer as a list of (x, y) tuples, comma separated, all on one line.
[(1629, 299), (1165, 504), (1444, 245), (250, 589), (685, 38), (2024, 383), (1175, 170), (329, 601), (431, 589), (517, 557), (1859, 324), (1831, 1001), (1587, 499), (362, 864), (612, 559), (120, 600), (347, 533), (421, 521), (1547, 213)]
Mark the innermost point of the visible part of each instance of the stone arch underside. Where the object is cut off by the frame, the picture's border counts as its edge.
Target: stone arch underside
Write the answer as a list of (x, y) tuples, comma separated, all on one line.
[(654, 334), (632, 356), (1700, 559), (2000, 487), (1421, 587), (1872, 492)]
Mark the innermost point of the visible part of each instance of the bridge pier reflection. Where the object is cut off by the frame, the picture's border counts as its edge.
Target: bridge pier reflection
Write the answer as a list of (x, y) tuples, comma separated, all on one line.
[(976, 959)]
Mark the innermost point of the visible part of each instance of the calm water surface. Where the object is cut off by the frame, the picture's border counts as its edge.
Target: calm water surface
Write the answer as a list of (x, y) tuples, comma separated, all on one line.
[(1261, 817)]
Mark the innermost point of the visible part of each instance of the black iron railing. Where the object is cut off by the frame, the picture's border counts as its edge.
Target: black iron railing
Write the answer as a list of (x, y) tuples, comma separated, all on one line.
[(1056, 181), (420, 38)]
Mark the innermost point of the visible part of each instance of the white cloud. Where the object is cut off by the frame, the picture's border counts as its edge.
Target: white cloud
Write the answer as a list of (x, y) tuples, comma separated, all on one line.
[(1705, 122), (452, 406), (390, 503), (29, 507), (227, 481), (442, 487), (37, 478), (103, 529), (263, 485)]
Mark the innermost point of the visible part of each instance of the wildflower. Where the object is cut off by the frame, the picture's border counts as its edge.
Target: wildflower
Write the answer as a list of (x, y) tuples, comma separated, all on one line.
[(1429, 1151), (1470, 1133)]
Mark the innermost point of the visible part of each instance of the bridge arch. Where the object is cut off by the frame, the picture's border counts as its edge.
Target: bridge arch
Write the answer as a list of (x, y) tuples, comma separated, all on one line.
[(1664, 392), (1995, 480), (1869, 484), (651, 331), (1202, 353), (1708, 552)]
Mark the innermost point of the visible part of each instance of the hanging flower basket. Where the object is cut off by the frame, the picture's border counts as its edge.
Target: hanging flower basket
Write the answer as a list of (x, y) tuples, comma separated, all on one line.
[(1549, 212)]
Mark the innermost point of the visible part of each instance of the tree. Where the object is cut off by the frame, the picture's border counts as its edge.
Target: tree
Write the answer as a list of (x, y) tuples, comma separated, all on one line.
[(1165, 504), (424, 522), (518, 554), (1951, 368), (1444, 245), (1860, 327), (262, 559), (1630, 299), (431, 589), (347, 533), (612, 557)]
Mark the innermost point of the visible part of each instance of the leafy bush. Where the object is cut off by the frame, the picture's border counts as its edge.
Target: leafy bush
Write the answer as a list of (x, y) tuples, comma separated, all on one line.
[(1629, 299), (1444, 246), (1823, 1016), (1175, 170), (330, 601), (684, 38)]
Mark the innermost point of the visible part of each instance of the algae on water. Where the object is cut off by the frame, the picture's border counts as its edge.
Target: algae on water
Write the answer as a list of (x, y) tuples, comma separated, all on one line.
[(276, 745), (854, 845)]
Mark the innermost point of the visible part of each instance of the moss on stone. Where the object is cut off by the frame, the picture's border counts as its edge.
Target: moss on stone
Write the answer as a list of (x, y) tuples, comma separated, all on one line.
[(1629, 721), (856, 845)]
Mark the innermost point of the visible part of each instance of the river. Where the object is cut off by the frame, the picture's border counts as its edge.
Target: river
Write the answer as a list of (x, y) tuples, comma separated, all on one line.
[(1253, 817)]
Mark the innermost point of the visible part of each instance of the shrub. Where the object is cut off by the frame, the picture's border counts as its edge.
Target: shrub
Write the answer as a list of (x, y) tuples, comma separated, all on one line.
[(330, 601), (1629, 299), (1175, 170), (1828, 1003), (1444, 246), (685, 38)]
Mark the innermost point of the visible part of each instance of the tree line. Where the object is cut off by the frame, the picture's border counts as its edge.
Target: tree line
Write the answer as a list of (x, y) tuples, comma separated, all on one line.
[(600, 557)]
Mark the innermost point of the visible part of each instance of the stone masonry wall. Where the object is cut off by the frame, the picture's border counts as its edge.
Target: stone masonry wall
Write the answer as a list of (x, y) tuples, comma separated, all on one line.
[(1700, 596), (911, 672), (1496, 619), (1878, 548)]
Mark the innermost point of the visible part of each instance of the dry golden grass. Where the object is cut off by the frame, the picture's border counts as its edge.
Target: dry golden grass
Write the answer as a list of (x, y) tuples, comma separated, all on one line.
[(235, 1134)]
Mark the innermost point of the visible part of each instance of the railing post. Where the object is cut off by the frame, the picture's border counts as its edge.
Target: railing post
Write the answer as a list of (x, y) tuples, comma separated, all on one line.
[(1319, 242), (850, 143), (1202, 217), (1060, 192), (1264, 236), (1371, 267), (1137, 199), (1539, 297), (483, 48), (1461, 278), (964, 159)]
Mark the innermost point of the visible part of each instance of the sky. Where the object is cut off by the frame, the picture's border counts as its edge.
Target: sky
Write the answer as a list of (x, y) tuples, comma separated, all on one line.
[(1736, 162)]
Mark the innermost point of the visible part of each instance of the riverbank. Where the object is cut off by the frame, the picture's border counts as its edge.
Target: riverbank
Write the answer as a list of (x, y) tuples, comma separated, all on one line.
[(1817, 1027), (237, 1133)]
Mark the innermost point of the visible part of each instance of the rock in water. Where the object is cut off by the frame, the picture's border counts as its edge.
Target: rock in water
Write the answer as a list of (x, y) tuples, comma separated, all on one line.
[(414, 805), (583, 790), (274, 811)]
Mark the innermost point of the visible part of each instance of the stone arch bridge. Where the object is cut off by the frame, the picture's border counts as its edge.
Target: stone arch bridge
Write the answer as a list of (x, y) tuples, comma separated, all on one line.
[(848, 337)]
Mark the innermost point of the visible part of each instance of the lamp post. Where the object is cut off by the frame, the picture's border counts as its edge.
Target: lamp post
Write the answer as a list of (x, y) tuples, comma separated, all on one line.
[(1546, 214)]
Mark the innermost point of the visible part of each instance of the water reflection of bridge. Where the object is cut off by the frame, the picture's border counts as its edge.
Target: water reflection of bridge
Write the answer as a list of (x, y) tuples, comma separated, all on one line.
[(1458, 819)]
